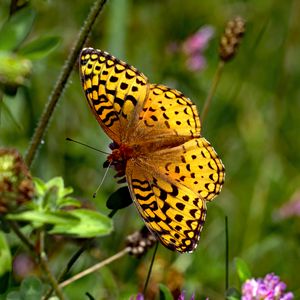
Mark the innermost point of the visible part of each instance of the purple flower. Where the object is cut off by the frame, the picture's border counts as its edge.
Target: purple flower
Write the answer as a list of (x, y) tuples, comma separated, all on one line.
[(196, 62), (181, 297), (198, 41), (194, 46), (291, 208), (139, 296), (268, 288)]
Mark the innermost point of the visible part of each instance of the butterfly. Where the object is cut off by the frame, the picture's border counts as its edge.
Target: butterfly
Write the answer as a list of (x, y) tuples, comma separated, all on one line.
[(171, 171)]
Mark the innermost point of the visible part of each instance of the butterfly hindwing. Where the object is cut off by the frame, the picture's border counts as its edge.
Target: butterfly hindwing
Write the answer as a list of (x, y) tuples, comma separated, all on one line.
[(176, 222), (170, 192)]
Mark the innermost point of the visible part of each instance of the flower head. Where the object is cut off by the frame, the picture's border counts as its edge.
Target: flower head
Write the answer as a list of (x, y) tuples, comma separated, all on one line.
[(291, 208), (268, 288), (198, 41), (16, 185), (194, 46), (181, 297)]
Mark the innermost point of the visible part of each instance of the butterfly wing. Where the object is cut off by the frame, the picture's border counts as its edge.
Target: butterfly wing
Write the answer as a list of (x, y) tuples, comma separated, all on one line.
[(168, 116), (115, 91), (170, 190)]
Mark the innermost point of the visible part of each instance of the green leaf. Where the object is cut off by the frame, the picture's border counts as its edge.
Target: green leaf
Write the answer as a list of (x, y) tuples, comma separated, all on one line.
[(50, 198), (16, 29), (5, 255), (242, 269), (89, 224), (31, 289), (39, 185), (40, 47), (233, 294), (14, 296), (14, 69), (164, 293), (52, 195), (55, 181), (69, 201), (40, 218), (82, 223)]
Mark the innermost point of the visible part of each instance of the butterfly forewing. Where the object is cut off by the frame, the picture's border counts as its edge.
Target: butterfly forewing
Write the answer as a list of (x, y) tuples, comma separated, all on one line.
[(115, 91), (166, 115)]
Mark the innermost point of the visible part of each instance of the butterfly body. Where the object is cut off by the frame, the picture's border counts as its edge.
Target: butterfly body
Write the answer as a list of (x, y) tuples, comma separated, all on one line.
[(170, 169)]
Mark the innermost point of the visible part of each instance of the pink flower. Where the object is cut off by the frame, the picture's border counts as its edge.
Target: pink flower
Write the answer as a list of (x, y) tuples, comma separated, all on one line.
[(194, 46), (291, 208), (198, 41), (268, 288)]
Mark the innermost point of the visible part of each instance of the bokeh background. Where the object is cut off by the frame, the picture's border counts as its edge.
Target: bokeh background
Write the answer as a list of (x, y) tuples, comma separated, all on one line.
[(253, 123)]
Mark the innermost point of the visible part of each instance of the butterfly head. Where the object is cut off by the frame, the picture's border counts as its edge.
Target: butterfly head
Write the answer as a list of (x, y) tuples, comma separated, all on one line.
[(118, 158)]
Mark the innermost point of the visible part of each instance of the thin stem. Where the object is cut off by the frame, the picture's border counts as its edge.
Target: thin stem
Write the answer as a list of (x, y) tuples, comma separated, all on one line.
[(51, 278), (61, 82), (226, 255), (150, 270), (14, 226), (45, 266), (42, 257), (70, 264), (95, 267), (1, 104), (212, 90)]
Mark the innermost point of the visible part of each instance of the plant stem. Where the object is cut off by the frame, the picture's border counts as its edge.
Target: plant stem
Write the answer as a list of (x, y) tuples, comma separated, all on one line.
[(41, 258), (150, 270), (45, 266), (95, 267), (70, 264), (212, 90), (226, 255), (51, 278), (14, 226), (61, 82)]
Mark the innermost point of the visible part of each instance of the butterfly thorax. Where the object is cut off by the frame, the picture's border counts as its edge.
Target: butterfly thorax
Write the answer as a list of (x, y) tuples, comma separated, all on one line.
[(118, 158)]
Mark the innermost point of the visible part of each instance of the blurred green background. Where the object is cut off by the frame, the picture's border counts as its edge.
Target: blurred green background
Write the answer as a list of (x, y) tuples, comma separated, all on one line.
[(253, 123)]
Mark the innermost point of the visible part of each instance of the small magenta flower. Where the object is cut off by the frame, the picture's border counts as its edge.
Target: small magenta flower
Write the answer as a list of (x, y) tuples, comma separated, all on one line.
[(181, 296), (194, 46), (196, 62), (291, 208), (198, 41), (139, 296), (268, 288)]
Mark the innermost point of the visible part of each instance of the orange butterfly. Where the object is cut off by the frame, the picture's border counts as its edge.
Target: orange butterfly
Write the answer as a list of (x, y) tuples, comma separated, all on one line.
[(170, 169)]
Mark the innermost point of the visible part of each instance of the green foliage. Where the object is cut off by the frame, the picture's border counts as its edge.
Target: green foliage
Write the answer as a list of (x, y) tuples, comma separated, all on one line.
[(46, 209), (16, 58), (5, 255), (242, 269), (31, 289), (233, 294), (16, 29), (253, 123), (40, 47), (164, 293)]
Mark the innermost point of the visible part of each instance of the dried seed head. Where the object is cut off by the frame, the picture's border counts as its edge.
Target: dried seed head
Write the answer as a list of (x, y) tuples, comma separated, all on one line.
[(16, 185), (231, 38), (140, 241)]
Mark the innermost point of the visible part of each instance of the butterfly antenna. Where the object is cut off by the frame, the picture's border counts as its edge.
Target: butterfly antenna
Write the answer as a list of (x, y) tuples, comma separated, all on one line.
[(102, 180), (83, 144)]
